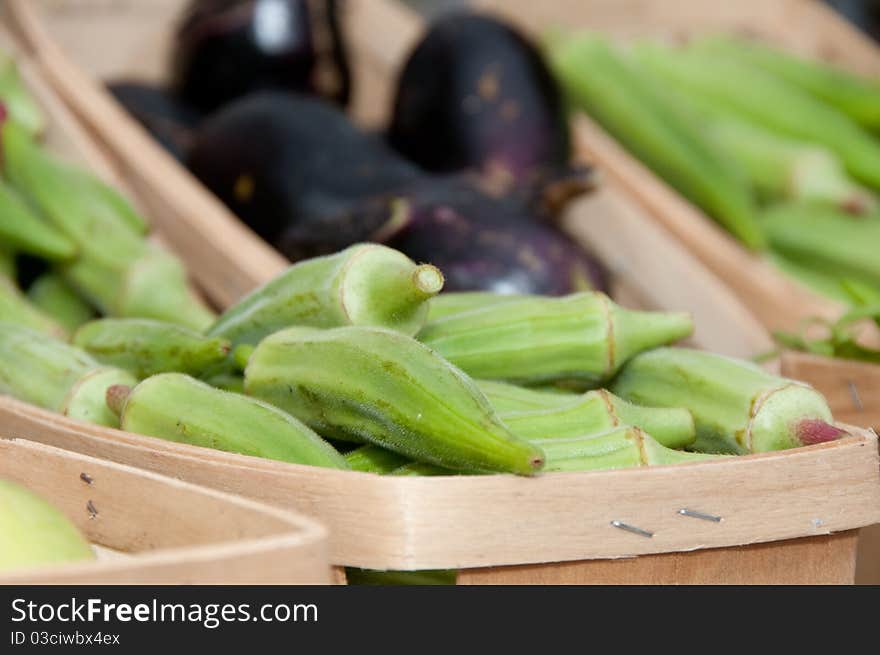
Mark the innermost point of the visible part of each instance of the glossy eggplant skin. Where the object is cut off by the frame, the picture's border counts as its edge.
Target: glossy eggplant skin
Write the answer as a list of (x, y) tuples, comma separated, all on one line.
[(281, 161), (225, 49), (484, 242), (169, 120), (475, 93)]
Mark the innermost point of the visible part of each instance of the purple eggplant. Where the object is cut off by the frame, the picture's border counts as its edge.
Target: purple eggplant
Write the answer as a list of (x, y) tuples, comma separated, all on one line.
[(482, 242), (285, 161), (170, 121), (225, 49), (475, 93), (300, 174)]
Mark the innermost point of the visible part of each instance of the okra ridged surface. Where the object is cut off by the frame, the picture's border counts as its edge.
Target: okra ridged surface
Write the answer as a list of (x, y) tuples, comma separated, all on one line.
[(365, 284), (737, 406), (380, 386), (179, 408), (583, 337)]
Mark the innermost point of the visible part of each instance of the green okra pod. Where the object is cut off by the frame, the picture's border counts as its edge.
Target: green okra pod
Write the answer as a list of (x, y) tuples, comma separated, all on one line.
[(629, 104), (16, 101), (584, 337), (381, 386), (33, 532), (421, 469), (177, 407), (23, 231), (624, 447), (826, 240), (456, 302), (855, 96), (16, 308), (822, 282), (55, 375), (737, 406), (365, 284), (8, 266), (768, 100), (51, 294), (599, 411), (506, 397), (147, 347), (371, 458)]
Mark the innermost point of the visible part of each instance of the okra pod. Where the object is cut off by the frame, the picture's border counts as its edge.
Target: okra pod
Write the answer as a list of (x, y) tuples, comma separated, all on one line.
[(584, 337), (177, 407), (16, 102), (855, 96), (627, 102), (456, 302), (624, 447), (51, 294), (87, 398), (55, 375), (421, 469), (34, 532), (599, 411), (506, 397), (825, 283), (16, 308), (147, 347), (365, 284), (381, 386), (767, 100), (825, 240), (23, 231), (8, 267), (371, 458), (737, 406)]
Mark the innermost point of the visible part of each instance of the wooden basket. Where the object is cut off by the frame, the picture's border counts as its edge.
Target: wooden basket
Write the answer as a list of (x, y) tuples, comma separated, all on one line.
[(648, 267), (149, 529), (784, 517)]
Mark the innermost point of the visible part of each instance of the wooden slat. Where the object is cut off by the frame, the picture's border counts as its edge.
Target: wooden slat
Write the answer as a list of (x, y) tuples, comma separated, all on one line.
[(173, 532)]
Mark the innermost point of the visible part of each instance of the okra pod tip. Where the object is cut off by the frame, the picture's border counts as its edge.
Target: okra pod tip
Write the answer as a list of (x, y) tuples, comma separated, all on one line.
[(117, 394)]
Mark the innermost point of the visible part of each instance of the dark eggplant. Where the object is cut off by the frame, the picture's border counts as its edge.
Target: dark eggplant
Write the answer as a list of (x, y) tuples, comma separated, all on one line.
[(475, 93), (300, 174), (490, 243), (225, 49), (169, 120), (282, 160)]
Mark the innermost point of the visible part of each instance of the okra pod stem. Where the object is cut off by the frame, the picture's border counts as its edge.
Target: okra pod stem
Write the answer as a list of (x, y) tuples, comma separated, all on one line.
[(381, 386), (365, 284), (737, 406), (147, 347), (179, 408), (583, 337)]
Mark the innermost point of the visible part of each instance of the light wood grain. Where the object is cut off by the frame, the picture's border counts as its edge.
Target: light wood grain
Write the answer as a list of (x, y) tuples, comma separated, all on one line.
[(852, 388), (473, 521), (813, 560), (650, 268), (171, 532)]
